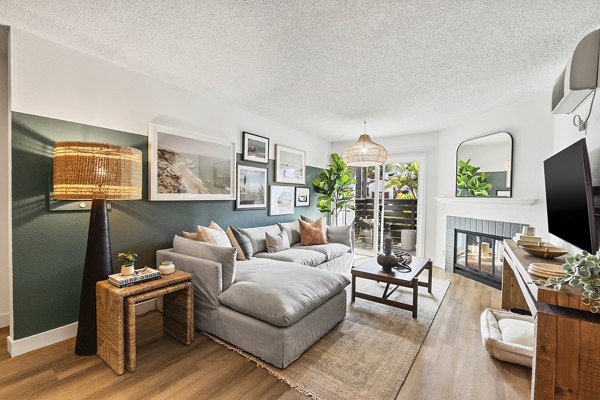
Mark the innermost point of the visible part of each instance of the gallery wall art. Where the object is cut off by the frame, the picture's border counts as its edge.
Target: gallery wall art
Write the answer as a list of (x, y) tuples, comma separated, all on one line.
[(255, 148), (189, 166), (302, 197), (281, 200), (290, 165), (251, 188)]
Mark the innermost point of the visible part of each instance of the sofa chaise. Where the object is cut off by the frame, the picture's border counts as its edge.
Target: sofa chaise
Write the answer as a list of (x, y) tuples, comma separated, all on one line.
[(275, 305)]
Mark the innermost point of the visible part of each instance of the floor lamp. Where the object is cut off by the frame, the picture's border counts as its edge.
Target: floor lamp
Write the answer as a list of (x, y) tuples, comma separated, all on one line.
[(97, 172)]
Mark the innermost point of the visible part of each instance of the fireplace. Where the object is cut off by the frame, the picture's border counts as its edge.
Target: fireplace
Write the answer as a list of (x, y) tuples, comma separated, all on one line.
[(479, 256), (474, 247)]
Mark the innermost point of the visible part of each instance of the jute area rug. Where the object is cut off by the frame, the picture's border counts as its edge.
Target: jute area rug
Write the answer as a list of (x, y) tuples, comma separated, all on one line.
[(369, 354)]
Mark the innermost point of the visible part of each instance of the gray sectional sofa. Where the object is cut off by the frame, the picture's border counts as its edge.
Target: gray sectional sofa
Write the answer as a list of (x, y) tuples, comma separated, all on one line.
[(275, 305)]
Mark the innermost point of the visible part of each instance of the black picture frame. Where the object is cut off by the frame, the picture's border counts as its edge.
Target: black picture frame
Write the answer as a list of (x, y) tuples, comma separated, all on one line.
[(262, 154), (302, 191)]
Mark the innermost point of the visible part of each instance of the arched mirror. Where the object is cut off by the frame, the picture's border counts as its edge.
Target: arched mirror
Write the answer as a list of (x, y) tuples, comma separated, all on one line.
[(484, 166)]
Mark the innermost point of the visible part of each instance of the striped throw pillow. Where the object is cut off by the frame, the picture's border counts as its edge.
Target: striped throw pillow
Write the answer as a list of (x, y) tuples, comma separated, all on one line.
[(214, 234)]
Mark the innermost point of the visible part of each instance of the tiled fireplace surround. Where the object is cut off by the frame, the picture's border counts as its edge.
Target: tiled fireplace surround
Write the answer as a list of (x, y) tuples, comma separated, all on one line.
[(483, 226)]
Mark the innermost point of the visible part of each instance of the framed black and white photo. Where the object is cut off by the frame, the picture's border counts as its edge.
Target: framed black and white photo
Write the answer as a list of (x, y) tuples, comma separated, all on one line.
[(251, 188), (255, 148), (302, 197), (189, 166), (290, 165), (281, 200)]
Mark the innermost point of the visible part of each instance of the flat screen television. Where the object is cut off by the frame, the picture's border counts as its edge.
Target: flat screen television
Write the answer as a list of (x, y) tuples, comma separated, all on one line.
[(570, 197)]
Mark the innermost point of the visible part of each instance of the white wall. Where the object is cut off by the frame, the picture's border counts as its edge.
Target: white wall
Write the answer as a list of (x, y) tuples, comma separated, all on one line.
[(54, 81), (401, 146), (4, 181), (565, 134), (531, 124)]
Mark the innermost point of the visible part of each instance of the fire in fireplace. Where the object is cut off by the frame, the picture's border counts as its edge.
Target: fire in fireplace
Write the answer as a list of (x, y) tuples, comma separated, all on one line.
[(479, 256)]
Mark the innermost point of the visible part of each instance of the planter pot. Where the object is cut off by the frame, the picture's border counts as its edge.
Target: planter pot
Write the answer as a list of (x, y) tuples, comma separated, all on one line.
[(127, 270)]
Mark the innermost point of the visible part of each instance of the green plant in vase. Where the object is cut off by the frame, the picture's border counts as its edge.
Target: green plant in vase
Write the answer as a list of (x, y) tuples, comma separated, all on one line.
[(334, 188), (580, 270), (128, 260), (471, 183)]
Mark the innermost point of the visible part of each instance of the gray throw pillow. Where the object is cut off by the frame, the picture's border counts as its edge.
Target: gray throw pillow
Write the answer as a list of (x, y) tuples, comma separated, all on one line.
[(277, 242), (257, 236), (340, 234), (292, 229), (223, 255), (307, 219), (244, 243)]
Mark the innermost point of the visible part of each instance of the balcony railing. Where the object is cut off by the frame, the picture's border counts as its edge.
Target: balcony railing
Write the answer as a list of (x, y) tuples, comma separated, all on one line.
[(398, 214)]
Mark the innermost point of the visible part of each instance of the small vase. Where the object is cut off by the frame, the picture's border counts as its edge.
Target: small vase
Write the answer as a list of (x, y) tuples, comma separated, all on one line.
[(387, 260), (127, 270)]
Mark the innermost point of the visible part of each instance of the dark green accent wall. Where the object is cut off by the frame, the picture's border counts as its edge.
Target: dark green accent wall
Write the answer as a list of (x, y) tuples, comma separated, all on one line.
[(49, 247)]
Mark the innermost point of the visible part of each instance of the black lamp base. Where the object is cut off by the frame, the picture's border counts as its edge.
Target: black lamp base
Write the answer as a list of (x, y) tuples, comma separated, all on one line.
[(98, 265)]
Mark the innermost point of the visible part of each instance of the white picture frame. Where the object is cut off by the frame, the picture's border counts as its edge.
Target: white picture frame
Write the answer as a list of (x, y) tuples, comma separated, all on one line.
[(281, 200), (290, 165), (251, 188), (302, 197), (185, 165)]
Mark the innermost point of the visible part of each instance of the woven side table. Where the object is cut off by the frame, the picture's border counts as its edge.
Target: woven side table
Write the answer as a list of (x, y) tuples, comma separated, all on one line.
[(115, 313)]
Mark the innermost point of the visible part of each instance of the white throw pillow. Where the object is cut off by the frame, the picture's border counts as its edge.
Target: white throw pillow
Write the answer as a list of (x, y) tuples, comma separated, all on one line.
[(277, 242)]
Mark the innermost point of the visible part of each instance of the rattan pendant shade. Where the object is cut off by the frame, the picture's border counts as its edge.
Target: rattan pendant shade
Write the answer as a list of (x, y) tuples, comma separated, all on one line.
[(86, 171), (365, 153)]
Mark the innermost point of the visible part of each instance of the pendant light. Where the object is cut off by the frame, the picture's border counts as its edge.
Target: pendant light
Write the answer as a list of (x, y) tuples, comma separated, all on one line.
[(365, 153)]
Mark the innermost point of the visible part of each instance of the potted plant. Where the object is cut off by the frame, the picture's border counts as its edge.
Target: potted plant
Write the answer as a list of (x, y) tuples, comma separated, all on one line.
[(580, 270), (334, 188), (128, 259)]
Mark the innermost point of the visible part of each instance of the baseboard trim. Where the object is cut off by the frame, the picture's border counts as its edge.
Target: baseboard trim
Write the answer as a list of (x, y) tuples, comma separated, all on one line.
[(34, 342), (4, 320)]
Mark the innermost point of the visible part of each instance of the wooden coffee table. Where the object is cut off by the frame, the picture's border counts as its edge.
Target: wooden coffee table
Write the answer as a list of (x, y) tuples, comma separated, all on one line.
[(373, 271)]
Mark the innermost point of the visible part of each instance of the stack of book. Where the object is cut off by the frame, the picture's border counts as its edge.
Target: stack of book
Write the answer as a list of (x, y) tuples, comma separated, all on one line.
[(527, 240), (139, 276)]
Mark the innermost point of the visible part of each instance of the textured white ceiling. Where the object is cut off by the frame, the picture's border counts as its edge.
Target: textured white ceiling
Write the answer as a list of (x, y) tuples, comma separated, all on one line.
[(323, 66)]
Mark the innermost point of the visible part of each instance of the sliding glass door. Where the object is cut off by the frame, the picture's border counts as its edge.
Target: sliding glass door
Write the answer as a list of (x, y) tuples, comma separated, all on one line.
[(386, 203)]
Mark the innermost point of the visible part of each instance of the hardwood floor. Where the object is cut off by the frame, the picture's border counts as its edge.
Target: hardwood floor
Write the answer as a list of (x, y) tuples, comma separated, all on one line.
[(452, 364)]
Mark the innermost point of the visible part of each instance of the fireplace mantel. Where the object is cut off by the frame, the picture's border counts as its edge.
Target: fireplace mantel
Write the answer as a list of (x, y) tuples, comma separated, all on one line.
[(485, 202)]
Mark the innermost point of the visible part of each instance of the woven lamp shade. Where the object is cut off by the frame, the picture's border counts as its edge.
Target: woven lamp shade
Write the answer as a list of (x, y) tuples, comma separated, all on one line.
[(87, 171), (365, 153)]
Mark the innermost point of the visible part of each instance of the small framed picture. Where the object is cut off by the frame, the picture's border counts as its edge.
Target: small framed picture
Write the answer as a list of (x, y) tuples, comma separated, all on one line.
[(281, 200), (290, 165), (302, 197), (255, 148), (251, 188), (503, 193)]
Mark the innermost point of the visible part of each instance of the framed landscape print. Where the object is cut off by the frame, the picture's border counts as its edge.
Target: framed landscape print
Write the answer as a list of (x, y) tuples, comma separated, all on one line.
[(302, 197), (281, 200), (255, 148), (188, 166), (251, 188), (290, 165)]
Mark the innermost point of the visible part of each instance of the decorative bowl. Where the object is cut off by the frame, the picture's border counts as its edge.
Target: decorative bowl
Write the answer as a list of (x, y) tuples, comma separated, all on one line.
[(544, 250)]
